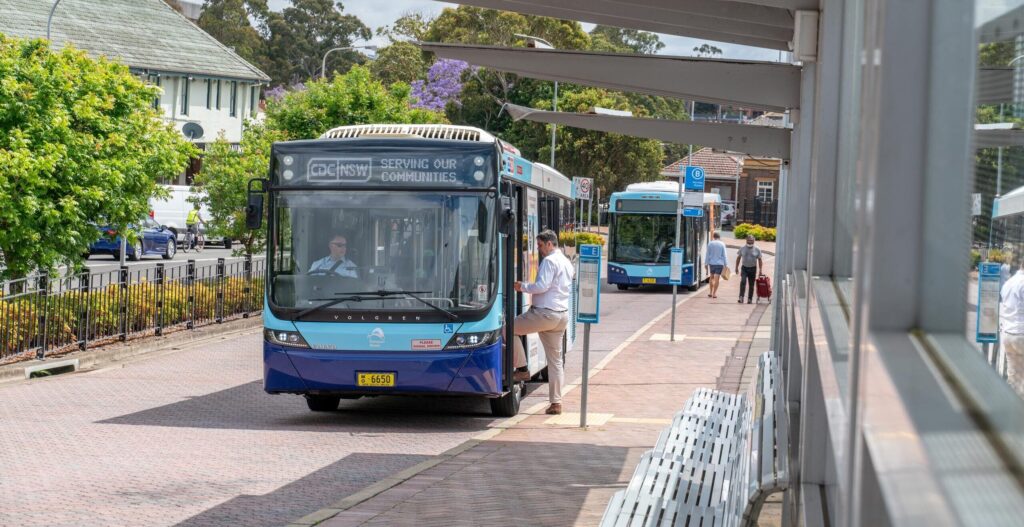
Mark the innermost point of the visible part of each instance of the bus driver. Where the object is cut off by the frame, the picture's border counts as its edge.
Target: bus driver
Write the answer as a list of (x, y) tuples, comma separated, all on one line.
[(336, 262)]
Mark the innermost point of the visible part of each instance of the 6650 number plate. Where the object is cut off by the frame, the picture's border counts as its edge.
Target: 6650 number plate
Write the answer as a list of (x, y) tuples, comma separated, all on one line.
[(375, 379)]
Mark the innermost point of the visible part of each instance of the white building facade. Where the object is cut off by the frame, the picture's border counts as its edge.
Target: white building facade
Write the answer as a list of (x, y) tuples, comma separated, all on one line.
[(208, 91)]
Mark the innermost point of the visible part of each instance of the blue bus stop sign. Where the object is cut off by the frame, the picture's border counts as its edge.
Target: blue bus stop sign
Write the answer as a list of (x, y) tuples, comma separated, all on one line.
[(692, 212), (589, 284), (987, 327), (694, 178)]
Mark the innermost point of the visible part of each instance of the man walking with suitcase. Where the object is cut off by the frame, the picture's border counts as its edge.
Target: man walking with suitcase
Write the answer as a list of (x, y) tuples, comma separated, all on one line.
[(748, 267)]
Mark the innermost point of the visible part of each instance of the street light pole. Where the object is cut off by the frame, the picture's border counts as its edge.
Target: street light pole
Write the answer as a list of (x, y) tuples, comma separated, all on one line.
[(539, 43), (554, 108), (50, 18), (323, 62)]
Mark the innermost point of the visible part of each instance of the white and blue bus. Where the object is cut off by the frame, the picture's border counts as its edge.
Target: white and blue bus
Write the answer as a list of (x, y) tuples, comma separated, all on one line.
[(437, 221), (642, 222)]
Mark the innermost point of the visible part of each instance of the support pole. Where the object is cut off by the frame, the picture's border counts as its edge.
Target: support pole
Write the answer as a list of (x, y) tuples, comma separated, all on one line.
[(586, 372), (679, 223)]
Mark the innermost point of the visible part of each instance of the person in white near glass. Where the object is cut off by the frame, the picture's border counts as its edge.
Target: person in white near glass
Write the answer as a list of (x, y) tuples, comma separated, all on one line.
[(548, 315), (1011, 327)]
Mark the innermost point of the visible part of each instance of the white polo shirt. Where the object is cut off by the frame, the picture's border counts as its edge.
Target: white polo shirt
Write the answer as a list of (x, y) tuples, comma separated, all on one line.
[(1011, 308), (553, 287), (345, 268)]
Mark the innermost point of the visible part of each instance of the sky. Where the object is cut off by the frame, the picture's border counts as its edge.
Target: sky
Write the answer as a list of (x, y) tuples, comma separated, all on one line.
[(377, 13)]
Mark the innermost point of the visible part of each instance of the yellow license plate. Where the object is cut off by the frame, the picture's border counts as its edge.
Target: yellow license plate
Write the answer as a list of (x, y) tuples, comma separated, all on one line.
[(376, 379), (650, 280)]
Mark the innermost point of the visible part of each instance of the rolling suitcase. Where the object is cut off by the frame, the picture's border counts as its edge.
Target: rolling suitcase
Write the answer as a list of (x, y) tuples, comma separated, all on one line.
[(764, 288)]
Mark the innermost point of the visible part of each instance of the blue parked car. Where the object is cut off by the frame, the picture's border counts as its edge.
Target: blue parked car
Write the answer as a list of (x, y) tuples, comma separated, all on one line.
[(154, 239)]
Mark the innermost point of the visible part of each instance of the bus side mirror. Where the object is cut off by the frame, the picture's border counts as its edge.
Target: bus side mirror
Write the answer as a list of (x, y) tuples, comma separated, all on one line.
[(254, 210), (508, 215)]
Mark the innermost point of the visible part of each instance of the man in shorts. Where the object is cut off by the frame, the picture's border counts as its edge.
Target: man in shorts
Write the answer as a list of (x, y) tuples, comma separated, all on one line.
[(716, 260)]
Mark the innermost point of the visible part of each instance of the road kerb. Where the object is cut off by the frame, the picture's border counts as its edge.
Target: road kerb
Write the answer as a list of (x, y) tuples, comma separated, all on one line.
[(117, 353)]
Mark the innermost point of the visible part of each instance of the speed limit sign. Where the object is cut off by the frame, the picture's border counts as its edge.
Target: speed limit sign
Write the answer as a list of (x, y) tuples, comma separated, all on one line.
[(583, 186)]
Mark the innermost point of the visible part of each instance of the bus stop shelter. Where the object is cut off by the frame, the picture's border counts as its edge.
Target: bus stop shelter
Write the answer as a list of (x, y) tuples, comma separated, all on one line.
[(894, 418)]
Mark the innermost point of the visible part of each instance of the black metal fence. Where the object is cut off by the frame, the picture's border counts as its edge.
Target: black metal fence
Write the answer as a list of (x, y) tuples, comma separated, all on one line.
[(757, 212), (44, 314)]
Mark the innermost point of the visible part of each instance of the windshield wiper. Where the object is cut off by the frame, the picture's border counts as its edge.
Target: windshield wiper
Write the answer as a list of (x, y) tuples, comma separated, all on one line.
[(328, 302), (359, 297), (412, 294)]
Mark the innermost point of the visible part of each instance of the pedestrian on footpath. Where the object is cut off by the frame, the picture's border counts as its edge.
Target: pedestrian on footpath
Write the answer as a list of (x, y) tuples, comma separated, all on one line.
[(748, 258), (548, 315), (1011, 327), (717, 261)]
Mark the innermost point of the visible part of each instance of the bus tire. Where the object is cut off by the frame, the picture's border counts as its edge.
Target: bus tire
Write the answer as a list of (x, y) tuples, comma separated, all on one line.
[(322, 403), (622, 287), (692, 287), (508, 405)]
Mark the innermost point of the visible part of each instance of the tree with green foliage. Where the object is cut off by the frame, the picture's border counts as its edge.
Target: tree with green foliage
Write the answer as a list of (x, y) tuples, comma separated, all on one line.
[(474, 25), (224, 179), (484, 90), (613, 160), (353, 98), (617, 39), (707, 50), (80, 145), (229, 21), (399, 62), (300, 35), (410, 26)]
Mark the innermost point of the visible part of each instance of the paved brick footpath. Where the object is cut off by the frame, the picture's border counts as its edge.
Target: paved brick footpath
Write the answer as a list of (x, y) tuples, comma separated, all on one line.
[(545, 470), (187, 437)]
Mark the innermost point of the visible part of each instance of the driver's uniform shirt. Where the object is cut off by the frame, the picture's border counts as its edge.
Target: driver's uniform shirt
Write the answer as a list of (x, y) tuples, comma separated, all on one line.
[(346, 268)]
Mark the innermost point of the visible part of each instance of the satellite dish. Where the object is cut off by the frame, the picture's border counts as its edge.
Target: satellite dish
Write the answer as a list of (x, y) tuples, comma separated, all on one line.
[(192, 131)]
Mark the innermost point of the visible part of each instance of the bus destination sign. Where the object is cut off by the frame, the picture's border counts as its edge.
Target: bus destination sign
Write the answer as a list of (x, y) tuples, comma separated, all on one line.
[(451, 167), (433, 171)]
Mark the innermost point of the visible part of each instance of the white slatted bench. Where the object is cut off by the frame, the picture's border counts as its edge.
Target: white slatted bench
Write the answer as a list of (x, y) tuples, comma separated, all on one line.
[(715, 465)]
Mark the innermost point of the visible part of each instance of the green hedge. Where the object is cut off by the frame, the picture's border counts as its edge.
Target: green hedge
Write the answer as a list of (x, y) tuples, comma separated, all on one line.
[(64, 311), (570, 239), (760, 232), (994, 255)]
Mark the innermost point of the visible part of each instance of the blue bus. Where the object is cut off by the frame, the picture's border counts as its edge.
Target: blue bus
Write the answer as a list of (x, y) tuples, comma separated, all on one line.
[(642, 221), (429, 225)]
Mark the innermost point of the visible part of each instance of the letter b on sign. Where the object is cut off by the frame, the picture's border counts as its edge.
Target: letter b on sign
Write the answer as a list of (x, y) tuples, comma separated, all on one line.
[(694, 178)]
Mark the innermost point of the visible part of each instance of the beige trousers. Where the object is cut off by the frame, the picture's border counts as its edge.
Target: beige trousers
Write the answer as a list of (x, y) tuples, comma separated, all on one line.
[(1013, 348), (549, 325)]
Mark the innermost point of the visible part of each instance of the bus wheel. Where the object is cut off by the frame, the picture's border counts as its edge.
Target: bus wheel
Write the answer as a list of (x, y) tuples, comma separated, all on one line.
[(508, 405), (322, 403), (622, 287), (693, 287)]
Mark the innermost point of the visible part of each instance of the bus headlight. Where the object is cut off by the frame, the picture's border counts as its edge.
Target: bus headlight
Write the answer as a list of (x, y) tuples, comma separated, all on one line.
[(285, 338), (473, 340)]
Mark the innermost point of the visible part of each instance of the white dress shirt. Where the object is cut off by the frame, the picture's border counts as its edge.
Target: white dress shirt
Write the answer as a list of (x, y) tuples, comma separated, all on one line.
[(346, 268), (554, 283), (1011, 308)]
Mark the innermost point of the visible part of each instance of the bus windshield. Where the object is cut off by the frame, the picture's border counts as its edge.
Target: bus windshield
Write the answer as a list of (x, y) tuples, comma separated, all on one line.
[(338, 248), (642, 238)]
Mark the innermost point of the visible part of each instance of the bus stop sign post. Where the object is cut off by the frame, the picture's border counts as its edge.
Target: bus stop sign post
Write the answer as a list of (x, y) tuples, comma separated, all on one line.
[(987, 326), (694, 181), (589, 284)]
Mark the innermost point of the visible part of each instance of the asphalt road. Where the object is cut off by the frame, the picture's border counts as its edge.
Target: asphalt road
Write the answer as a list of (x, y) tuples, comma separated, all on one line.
[(103, 263)]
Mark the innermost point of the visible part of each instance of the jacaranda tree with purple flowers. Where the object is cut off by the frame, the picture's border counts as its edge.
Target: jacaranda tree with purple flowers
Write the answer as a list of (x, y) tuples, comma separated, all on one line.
[(443, 85)]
